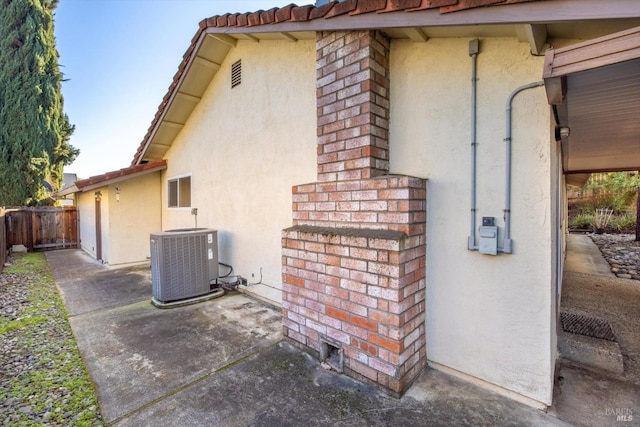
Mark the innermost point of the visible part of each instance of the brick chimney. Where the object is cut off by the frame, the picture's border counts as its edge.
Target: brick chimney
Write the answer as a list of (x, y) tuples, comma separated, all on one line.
[(354, 260)]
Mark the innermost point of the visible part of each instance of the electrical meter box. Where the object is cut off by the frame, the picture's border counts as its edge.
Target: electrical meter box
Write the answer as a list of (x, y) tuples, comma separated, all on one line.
[(488, 236)]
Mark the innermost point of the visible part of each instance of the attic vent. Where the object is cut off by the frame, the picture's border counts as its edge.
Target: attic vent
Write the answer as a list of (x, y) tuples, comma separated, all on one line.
[(236, 74)]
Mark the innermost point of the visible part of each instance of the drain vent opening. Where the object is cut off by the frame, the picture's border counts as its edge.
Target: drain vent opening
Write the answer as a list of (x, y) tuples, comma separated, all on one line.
[(587, 326), (332, 355)]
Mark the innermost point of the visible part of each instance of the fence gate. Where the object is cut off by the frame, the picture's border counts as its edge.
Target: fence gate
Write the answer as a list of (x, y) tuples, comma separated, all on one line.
[(42, 228)]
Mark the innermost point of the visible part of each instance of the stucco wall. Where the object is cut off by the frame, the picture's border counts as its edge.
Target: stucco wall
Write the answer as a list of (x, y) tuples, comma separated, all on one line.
[(490, 317), (133, 218), (245, 148), (125, 224)]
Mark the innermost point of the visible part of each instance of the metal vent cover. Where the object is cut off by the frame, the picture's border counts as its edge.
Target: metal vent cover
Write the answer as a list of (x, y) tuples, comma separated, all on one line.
[(236, 73), (587, 326), (183, 263)]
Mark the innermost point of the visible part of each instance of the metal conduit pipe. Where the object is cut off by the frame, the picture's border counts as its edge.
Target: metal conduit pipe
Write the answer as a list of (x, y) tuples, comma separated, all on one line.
[(474, 49), (507, 246)]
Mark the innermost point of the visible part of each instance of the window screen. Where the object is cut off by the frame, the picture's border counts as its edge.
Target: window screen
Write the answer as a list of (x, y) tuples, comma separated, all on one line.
[(180, 192)]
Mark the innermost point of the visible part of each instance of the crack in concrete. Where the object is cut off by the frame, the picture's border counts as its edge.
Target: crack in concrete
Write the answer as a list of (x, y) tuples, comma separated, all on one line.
[(189, 385)]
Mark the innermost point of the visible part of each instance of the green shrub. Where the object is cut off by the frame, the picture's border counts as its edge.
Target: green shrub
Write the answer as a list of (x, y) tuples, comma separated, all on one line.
[(625, 223), (582, 221)]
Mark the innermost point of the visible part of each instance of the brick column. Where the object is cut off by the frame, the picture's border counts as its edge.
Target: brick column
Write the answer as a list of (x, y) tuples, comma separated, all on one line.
[(352, 70), (354, 261)]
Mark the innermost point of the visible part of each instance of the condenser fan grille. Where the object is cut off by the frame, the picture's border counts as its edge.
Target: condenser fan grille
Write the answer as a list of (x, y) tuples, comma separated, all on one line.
[(183, 263)]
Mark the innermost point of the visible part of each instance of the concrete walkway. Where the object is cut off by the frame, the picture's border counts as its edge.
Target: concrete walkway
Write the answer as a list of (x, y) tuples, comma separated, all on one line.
[(583, 256), (222, 363), (594, 397)]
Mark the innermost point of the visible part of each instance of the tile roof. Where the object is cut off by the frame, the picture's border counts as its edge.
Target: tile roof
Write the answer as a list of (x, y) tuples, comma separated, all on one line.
[(122, 173), (306, 13), (332, 9)]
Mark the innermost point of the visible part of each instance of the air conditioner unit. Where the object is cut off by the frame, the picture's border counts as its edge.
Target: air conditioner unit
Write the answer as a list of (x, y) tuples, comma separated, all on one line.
[(183, 263)]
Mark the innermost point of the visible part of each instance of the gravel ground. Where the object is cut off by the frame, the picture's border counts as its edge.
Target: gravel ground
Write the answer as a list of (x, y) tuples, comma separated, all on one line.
[(43, 380), (622, 253)]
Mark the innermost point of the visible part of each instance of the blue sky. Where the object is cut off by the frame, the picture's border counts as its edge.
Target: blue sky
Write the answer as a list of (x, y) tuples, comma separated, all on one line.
[(119, 57)]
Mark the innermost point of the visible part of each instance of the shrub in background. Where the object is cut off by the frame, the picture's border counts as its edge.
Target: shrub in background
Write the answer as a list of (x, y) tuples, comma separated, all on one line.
[(615, 191)]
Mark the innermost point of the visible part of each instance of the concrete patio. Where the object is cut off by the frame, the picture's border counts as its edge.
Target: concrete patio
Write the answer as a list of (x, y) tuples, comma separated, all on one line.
[(222, 362)]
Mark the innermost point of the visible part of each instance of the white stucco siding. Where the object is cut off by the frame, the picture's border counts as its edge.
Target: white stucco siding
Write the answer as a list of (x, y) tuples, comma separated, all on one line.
[(133, 218), (487, 316), (245, 148)]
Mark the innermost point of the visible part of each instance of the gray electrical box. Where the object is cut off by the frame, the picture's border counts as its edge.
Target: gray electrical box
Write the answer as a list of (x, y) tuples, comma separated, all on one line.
[(488, 236)]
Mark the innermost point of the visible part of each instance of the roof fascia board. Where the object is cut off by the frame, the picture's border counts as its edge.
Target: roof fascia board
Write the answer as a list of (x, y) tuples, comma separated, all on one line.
[(606, 50), (599, 52), (122, 178), (541, 12), (69, 190)]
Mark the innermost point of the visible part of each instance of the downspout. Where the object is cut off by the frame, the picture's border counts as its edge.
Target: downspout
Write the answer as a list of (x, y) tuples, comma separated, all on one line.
[(474, 49), (507, 245)]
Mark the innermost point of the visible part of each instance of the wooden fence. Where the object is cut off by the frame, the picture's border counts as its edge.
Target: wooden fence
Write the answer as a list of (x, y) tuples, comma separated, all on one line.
[(42, 228)]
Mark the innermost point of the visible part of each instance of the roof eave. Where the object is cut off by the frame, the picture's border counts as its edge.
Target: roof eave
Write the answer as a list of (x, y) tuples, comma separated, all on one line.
[(119, 176), (527, 12), (69, 190), (198, 40)]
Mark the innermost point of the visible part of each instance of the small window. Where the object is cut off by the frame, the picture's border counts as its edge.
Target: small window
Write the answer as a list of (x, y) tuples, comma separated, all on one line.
[(180, 192), (236, 74)]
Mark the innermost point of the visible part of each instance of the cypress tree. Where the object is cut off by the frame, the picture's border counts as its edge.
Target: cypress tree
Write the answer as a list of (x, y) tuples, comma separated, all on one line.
[(34, 131)]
